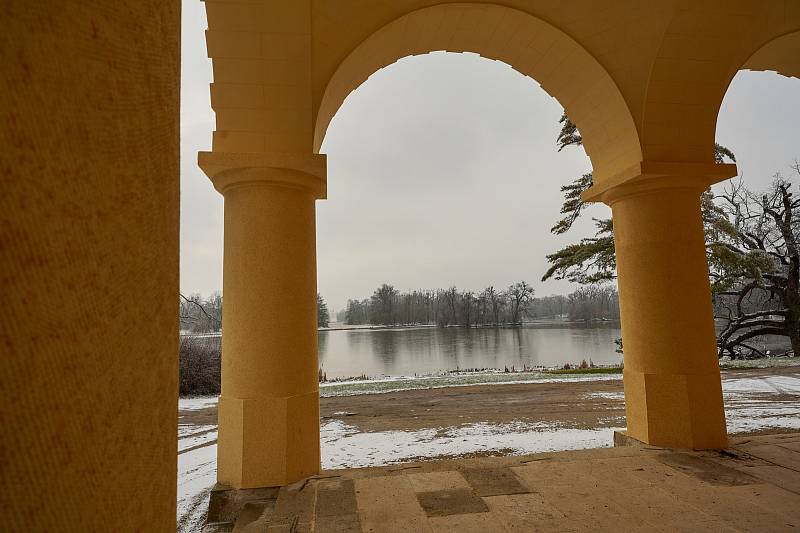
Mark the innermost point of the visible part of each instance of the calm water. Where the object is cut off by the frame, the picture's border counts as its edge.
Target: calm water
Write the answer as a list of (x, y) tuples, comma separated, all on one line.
[(403, 352)]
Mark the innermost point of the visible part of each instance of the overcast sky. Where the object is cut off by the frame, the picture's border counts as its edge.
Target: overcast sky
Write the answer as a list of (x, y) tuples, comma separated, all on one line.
[(443, 170)]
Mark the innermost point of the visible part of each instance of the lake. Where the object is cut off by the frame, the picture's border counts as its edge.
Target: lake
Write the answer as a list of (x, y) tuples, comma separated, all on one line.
[(427, 350)]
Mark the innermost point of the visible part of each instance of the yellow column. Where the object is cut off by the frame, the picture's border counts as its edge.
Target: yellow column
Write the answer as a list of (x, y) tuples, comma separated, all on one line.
[(269, 407), (673, 392)]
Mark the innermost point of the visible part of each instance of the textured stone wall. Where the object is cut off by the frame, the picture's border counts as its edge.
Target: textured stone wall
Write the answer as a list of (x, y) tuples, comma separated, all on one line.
[(89, 104)]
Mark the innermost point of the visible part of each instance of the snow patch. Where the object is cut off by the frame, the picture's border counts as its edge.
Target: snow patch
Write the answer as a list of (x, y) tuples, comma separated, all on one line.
[(766, 384), (616, 396), (755, 416), (190, 436), (344, 447), (197, 473), (197, 403)]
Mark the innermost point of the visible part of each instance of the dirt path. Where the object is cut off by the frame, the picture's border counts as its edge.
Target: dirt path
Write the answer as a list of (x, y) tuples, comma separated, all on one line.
[(579, 404)]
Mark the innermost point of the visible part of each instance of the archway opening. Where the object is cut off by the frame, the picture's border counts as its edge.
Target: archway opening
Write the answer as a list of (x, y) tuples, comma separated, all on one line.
[(757, 122), (443, 171)]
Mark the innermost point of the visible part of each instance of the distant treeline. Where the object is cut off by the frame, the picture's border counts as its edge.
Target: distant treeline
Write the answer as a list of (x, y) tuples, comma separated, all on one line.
[(201, 315), (453, 307)]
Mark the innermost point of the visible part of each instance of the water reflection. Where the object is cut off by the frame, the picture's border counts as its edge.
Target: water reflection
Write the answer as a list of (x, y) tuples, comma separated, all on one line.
[(396, 352)]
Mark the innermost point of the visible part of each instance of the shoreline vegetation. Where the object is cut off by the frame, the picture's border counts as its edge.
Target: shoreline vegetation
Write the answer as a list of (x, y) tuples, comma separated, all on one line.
[(555, 321), (582, 369)]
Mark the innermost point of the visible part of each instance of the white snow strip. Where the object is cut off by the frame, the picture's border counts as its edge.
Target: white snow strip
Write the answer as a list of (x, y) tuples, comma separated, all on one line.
[(344, 447), (617, 396), (752, 416), (766, 384), (197, 403)]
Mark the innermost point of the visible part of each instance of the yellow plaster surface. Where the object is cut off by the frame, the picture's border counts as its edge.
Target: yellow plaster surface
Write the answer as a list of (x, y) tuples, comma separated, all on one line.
[(89, 265), (269, 408)]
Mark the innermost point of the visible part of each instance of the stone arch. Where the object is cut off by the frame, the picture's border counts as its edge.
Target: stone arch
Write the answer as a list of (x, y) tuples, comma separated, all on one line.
[(700, 53), (781, 55), (528, 44)]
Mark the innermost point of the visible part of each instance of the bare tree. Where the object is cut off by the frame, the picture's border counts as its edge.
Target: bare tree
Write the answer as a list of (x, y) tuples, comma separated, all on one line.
[(754, 262), (519, 295)]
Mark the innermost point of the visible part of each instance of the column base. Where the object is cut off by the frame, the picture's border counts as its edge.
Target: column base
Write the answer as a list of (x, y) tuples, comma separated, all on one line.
[(268, 442), (622, 439), (226, 504), (675, 410)]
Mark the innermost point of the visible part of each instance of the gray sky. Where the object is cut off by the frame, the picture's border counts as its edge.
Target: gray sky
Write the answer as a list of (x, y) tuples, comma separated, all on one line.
[(443, 170)]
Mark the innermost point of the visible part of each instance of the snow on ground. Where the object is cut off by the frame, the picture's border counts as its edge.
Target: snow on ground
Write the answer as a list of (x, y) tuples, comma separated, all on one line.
[(766, 384), (751, 404), (343, 446), (196, 403), (190, 436), (616, 396), (197, 473)]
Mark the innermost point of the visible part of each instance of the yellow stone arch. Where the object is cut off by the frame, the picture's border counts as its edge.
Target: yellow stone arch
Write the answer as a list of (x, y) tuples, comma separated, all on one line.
[(700, 52), (528, 44), (780, 54)]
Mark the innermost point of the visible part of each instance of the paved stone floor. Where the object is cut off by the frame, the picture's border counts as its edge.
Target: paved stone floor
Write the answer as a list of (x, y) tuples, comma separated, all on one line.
[(753, 486)]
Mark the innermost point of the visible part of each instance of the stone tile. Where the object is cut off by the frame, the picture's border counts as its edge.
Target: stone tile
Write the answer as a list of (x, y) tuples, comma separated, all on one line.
[(432, 481), (451, 501), (467, 523), (226, 504), (659, 510), (523, 512), (792, 445), (253, 515), (494, 481), (336, 498), (549, 477), (294, 507), (779, 454), (596, 510), (338, 524), (777, 475), (652, 472), (389, 504), (772, 499), (707, 470), (730, 506)]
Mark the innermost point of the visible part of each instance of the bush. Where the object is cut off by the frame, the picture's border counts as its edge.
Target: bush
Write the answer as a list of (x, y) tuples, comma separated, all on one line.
[(199, 365)]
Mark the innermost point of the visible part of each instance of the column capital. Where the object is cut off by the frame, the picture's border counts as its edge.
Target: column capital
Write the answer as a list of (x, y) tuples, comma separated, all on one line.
[(654, 175), (300, 171)]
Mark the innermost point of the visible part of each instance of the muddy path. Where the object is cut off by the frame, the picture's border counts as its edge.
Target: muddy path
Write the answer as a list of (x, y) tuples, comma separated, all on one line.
[(577, 404)]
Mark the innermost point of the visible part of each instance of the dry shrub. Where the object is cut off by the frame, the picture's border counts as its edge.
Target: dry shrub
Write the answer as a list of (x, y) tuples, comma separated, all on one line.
[(199, 365)]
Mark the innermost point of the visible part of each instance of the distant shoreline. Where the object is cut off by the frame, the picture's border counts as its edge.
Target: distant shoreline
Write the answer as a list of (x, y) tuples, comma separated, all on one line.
[(372, 327), (541, 322)]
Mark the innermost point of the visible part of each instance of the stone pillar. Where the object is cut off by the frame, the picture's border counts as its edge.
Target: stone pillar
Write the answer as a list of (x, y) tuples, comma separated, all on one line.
[(673, 392), (269, 407)]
